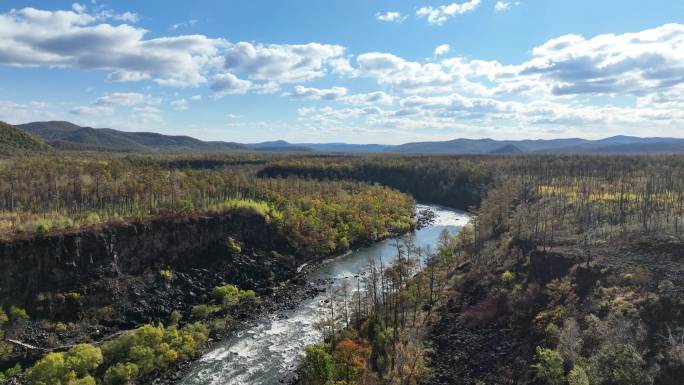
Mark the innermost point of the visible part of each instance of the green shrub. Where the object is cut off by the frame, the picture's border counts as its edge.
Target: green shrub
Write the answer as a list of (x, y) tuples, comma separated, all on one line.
[(3, 321), (507, 277), (74, 296), (578, 376), (247, 296), (121, 374), (11, 372), (71, 368), (17, 313), (618, 364), (92, 219), (60, 327), (203, 311), (317, 365), (151, 347), (5, 349), (549, 366), (166, 274), (233, 246), (84, 358), (175, 317), (226, 294)]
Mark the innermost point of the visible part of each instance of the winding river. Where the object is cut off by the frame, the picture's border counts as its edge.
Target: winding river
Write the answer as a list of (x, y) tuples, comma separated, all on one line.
[(266, 352)]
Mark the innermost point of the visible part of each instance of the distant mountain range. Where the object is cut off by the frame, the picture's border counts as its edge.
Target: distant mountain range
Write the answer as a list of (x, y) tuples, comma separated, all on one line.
[(68, 136)]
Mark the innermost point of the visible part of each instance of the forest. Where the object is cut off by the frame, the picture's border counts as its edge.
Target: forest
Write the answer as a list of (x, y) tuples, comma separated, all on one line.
[(66, 193), (569, 273)]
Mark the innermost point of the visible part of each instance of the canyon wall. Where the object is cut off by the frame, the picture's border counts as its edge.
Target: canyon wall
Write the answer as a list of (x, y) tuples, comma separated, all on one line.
[(70, 261)]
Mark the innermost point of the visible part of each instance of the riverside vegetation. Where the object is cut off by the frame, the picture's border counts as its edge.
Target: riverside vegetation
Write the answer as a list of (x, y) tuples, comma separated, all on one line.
[(570, 272)]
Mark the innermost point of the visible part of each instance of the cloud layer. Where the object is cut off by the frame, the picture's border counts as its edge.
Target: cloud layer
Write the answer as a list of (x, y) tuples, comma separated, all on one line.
[(568, 85)]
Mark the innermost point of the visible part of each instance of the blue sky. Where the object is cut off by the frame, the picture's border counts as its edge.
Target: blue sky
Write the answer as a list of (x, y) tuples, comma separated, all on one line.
[(356, 71)]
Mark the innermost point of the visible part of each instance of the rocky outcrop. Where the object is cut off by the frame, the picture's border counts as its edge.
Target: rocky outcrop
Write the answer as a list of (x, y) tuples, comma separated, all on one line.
[(67, 262)]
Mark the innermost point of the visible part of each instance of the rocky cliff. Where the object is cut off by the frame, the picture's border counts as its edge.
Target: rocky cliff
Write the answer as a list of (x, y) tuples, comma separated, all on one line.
[(37, 266)]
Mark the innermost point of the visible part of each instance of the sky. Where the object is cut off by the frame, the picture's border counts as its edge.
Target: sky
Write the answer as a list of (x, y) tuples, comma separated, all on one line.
[(355, 71)]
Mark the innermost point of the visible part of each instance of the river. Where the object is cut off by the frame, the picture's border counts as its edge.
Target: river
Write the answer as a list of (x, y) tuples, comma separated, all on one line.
[(267, 351)]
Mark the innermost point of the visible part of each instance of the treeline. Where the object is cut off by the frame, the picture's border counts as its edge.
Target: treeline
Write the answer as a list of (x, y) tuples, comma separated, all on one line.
[(458, 182), (317, 217), (597, 196)]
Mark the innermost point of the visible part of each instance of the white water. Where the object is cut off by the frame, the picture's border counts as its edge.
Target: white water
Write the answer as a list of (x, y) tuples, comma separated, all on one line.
[(267, 351)]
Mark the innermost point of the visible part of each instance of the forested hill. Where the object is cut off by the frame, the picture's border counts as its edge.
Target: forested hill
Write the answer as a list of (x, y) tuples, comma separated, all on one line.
[(15, 141), (69, 136)]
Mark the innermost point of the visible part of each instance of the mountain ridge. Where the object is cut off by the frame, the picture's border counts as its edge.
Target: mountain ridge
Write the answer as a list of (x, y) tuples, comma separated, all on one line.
[(69, 136)]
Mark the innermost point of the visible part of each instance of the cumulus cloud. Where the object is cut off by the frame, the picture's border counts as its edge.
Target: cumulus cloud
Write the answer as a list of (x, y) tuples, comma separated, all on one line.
[(126, 99), (265, 88), (15, 113), (542, 96), (442, 49), (107, 104), (632, 63), (226, 84), (301, 92), (180, 104), (439, 15), (77, 39), (371, 98), (505, 5), (146, 115), (281, 63), (94, 110), (390, 17), (408, 76)]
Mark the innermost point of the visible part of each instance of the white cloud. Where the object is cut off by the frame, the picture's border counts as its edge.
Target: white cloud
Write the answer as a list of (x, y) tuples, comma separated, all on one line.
[(125, 99), (196, 97), (442, 13), (265, 88), (184, 24), (301, 92), (128, 17), (32, 37), (180, 104), (371, 98), (442, 49), (390, 17), (281, 63), (226, 84), (78, 8), (16, 113), (94, 110), (407, 76), (342, 66), (632, 63), (505, 5), (549, 95), (146, 115)]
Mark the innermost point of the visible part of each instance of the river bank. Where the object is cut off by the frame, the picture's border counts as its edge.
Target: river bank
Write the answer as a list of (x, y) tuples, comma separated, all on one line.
[(267, 351)]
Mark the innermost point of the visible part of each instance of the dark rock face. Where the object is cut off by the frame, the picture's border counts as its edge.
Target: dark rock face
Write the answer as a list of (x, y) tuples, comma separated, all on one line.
[(546, 266), (68, 262)]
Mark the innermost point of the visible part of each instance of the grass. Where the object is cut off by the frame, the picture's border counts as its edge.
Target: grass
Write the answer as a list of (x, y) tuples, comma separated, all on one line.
[(15, 222)]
